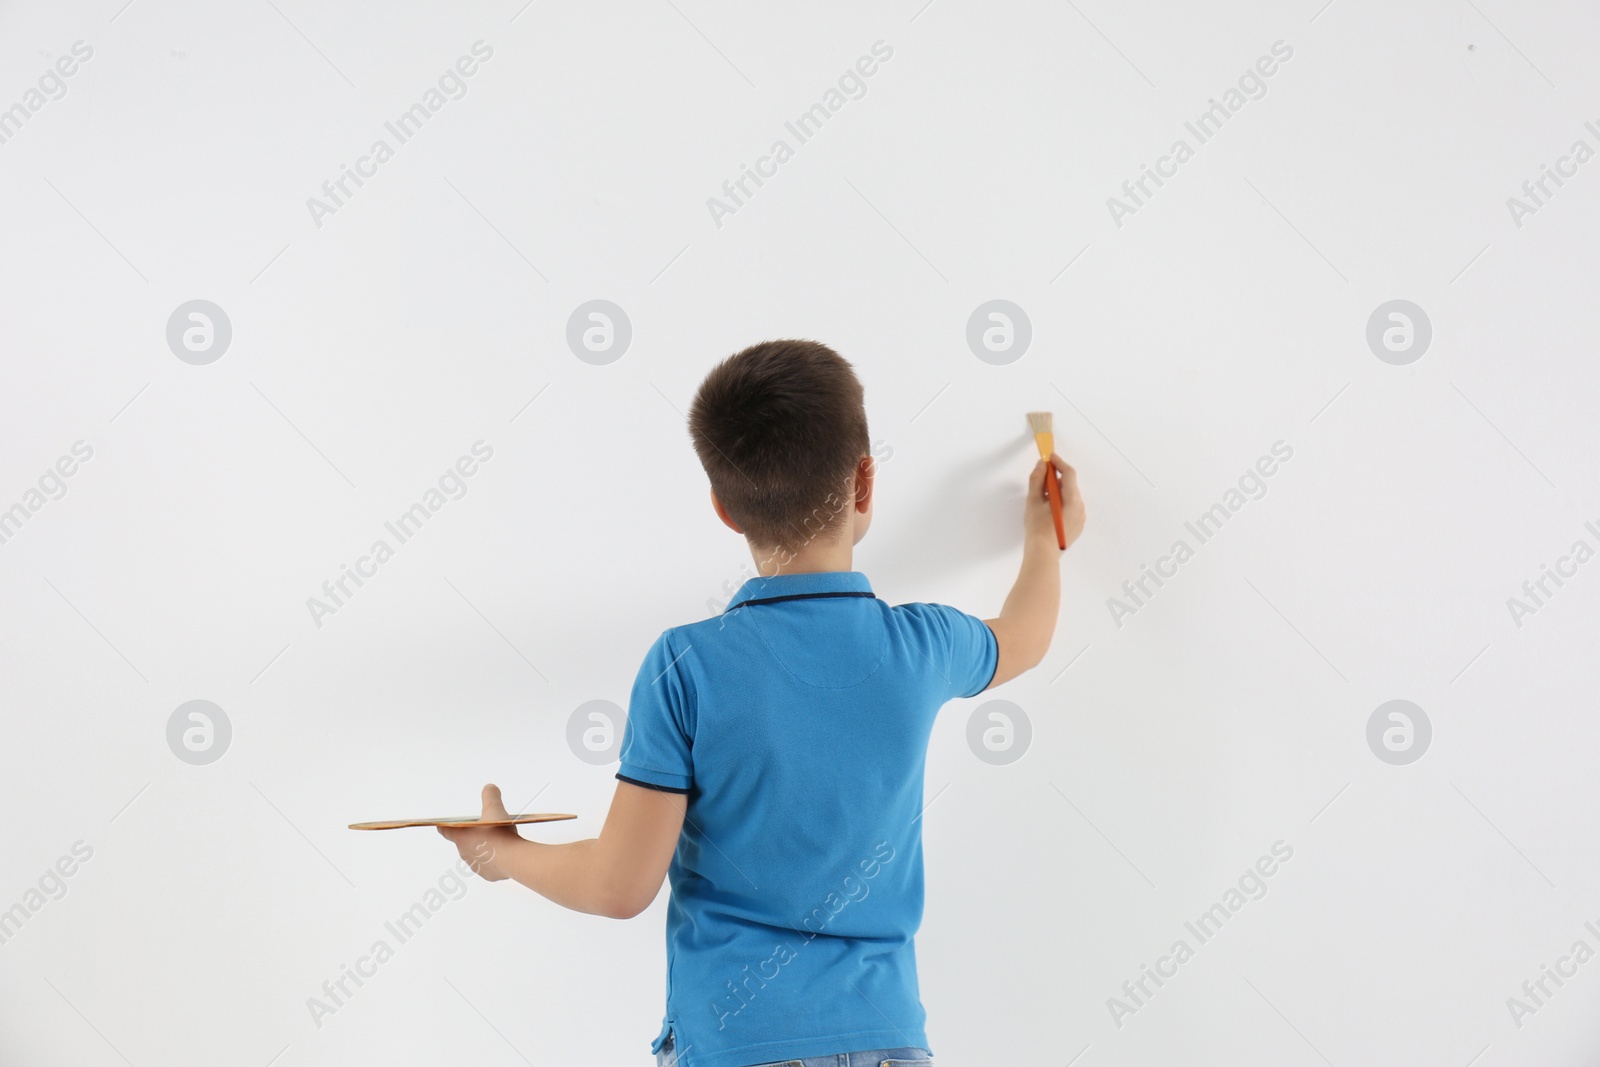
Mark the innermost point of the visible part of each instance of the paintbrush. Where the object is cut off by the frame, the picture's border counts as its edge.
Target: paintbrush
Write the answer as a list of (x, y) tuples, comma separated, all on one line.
[(1043, 425)]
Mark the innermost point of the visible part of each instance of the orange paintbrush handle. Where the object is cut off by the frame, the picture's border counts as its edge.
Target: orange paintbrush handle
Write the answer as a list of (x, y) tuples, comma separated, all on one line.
[(1052, 489)]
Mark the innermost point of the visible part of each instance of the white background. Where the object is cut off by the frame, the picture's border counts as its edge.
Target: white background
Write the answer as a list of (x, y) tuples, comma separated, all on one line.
[(1168, 754)]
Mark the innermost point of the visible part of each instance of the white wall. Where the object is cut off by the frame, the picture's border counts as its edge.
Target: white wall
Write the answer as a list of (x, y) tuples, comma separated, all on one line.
[(372, 346)]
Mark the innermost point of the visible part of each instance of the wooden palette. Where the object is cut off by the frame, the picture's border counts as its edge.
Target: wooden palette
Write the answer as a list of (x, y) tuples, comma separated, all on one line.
[(465, 821)]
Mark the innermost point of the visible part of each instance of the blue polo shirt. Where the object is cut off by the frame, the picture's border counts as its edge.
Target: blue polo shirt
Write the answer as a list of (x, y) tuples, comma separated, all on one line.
[(796, 723)]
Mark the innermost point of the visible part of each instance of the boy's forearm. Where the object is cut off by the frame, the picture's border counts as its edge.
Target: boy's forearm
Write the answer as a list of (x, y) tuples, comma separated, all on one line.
[(616, 874), (573, 874), (1034, 602)]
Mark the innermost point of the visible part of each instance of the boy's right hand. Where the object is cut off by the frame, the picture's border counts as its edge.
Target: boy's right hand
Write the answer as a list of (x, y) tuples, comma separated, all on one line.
[(1037, 523)]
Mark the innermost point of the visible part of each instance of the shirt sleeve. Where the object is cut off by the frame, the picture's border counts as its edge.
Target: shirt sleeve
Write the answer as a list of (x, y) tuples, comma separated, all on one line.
[(658, 740), (965, 649)]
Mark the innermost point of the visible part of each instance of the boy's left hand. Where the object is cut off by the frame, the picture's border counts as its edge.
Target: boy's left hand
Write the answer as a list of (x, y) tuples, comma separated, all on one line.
[(482, 847)]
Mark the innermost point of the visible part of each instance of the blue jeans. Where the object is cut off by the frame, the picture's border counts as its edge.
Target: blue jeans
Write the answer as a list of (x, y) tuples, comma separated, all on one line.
[(881, 1057)]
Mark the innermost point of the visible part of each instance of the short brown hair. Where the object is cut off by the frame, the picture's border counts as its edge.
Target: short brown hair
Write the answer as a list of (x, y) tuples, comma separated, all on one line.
[(779, 429)]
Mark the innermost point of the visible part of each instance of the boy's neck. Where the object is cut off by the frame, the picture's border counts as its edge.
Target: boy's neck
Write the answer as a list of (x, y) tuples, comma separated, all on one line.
[(812, 558)]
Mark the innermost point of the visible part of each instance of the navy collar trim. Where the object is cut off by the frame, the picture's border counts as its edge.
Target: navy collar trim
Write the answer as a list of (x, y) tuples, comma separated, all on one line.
[(801, 586), (796, 596)]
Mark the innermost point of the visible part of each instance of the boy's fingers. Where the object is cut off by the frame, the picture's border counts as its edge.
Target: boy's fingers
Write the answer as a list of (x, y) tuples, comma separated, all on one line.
[(1069, 474), (493, 806)]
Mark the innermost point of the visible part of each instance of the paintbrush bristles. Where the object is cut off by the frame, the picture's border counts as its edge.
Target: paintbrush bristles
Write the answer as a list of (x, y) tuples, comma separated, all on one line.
[(1040, 422)]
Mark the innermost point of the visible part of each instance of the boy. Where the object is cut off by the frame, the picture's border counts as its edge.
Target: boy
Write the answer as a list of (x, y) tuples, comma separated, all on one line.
[(773, 758)]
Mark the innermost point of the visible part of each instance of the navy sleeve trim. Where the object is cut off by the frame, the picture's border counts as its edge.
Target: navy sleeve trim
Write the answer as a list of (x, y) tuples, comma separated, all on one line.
[(650, 785), (996, 639)]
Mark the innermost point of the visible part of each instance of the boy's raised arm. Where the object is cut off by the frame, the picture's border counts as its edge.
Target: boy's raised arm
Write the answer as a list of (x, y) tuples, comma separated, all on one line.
[(1027, 620)]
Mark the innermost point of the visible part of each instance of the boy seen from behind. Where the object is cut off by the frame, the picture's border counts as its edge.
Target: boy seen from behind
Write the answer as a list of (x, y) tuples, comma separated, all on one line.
[(772, 764)]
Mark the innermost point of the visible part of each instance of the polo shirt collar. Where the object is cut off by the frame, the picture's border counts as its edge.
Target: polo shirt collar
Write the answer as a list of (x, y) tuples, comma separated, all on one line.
[(808, 584)]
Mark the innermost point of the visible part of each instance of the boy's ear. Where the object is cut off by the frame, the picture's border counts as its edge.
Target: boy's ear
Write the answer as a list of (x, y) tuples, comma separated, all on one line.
[(722, 513), (865, 468)]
